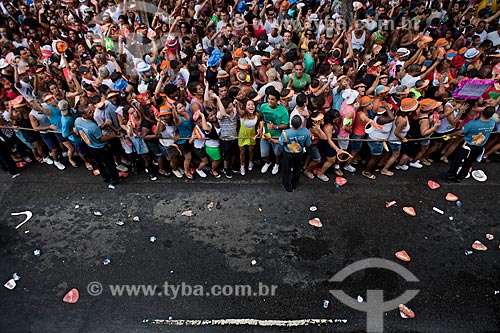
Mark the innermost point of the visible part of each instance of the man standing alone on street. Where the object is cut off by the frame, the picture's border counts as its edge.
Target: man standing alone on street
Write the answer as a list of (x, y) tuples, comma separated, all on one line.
[(293, 141)]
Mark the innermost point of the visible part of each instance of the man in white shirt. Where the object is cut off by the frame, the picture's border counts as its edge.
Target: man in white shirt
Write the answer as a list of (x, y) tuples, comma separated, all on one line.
[(494, 36), (113, 11)]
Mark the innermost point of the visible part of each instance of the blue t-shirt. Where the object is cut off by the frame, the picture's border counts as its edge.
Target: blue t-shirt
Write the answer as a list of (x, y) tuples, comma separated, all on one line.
[(475, 127), (301, 136), (55, 116), (90, 133), (67, 124)]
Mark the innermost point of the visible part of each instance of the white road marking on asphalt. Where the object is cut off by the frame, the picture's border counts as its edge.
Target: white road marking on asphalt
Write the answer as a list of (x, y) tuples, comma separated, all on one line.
[(249, 322), (28, 214)]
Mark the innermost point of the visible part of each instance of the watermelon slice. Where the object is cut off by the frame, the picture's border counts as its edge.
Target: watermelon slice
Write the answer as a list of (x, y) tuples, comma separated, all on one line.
[(406, 312), (433, 185), (316, 222), (410, 211), (72, 296), (451, 197), (403, 255), (340, 180), (478, 246)]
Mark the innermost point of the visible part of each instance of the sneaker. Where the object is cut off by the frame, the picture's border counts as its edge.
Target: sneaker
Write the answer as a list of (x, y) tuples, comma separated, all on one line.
[(355, 162), (250, 166), (126, 162), (59, 165), (27, 159), (337, 167), (350, 168), (228, 173), (416, 164), (122, 168), (16, 175), (152, 177), (111, 187), (242, 170), (276, 169), (48, 160), (265, 167), (402, 167), (181, 171), (201, 173), (177, 173)]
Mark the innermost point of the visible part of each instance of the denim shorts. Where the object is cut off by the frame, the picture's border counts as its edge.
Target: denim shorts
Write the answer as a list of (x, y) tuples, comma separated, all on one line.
[(21, 137), (343, 144), (265, 148), (50, 140), (314, 153), (139, 146), (394, 147), (376, 148), (156, 148), (357, 145), (425, 142)]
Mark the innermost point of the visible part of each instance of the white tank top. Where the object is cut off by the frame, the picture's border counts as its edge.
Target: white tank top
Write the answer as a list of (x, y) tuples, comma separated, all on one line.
[(445, 125), (403, 133), (381, 134), (167, 135), (43, 120), (358, 43)]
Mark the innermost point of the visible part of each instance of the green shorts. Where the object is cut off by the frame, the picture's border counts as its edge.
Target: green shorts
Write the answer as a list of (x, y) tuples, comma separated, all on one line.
[(213, 153)]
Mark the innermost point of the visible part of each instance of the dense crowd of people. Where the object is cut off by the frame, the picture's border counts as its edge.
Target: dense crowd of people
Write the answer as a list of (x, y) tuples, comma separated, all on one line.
[(190, 88)]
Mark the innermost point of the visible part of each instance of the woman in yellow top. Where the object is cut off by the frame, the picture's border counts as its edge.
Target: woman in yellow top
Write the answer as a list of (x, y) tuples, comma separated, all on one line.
[(246, 136)]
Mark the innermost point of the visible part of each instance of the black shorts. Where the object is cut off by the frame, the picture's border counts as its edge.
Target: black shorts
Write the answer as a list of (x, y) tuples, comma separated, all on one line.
[(200, 153), (185, 148), (116, 146), (228, 148), (60, 138)]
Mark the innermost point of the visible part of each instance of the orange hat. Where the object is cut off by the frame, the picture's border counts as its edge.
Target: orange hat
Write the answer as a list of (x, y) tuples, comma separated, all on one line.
[(165, 110), (238, 53), (441, 42), (47, 97), (409, 104), (429, 104), (462, 50), (285, 5), (365, 101)]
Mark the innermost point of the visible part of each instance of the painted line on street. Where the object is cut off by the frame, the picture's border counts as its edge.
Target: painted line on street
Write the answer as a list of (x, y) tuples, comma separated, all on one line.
[(248, 322)]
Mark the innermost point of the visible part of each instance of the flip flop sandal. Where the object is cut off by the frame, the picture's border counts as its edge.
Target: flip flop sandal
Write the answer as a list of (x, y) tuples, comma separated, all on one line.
[(216, 175), (309, 174), (387, 173), (426, 162), (368, 175), (323, 177), (89, 166), (338, 172)]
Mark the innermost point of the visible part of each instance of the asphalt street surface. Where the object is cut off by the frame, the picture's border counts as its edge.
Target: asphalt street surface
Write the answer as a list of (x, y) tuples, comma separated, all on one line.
[(252, 218)]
